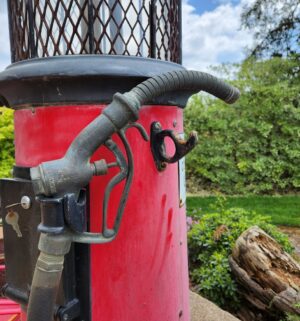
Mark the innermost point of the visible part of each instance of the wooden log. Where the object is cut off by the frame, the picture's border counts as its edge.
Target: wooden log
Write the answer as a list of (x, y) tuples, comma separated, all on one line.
[(269, 278)]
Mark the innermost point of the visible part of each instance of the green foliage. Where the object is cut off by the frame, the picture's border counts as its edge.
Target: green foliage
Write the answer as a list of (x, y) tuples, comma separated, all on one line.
[(252, 146), (6, 141), (283, 209), (276, 26), (292, 317), (210, 241)]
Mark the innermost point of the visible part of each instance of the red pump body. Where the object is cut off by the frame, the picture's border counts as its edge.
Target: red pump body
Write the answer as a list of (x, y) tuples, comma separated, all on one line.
[(143, 274)]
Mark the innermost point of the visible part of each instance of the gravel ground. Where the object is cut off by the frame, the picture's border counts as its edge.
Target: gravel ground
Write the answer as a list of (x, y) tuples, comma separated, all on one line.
[(294, 236)]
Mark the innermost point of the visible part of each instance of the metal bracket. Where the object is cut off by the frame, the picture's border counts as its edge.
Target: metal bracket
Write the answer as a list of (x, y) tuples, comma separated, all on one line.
[(70, 311), (158, 148), (56, 213), (74, 211)]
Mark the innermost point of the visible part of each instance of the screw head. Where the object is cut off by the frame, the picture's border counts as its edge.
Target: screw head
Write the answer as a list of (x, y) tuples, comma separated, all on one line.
[(26, 202), (163, 166), (66, 317), (157, 125)]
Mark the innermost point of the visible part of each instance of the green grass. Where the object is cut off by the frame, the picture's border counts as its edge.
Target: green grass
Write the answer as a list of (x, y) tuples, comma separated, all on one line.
[(284, 210)]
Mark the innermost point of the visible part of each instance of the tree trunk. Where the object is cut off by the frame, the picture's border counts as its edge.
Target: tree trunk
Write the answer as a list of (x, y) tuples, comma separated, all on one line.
[(269, 278)]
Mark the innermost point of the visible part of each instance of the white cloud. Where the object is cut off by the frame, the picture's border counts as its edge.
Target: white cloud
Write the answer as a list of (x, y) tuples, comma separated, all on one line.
[(208, 39), (213, 37), (4, 37)]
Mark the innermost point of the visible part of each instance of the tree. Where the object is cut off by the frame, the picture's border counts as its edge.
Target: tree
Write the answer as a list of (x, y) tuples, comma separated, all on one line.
[(276, 24), (252, 146), (6, 142)]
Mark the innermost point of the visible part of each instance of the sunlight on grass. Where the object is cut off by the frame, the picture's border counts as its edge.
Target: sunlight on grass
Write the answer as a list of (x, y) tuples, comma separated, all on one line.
[(284, 210)]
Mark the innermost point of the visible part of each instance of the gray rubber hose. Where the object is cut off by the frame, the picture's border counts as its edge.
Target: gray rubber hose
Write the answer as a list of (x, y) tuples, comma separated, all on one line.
[(47, 275), (185, 80)]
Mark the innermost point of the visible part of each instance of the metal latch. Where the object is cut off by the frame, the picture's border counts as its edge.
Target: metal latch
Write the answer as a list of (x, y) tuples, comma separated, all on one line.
[(158, 147)]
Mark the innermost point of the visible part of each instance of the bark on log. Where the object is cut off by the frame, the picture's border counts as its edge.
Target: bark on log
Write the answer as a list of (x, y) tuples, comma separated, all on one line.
[(269, 278)]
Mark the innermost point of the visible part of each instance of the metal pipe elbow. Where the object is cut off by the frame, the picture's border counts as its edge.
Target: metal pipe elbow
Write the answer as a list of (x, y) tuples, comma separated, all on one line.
[(54, 178)]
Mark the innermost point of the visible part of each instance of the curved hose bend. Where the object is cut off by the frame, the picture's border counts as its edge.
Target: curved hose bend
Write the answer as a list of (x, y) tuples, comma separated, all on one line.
[(185, 80)]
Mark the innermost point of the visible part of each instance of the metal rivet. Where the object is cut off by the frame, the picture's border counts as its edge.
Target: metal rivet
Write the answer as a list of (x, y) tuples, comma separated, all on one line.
[(157, 125), (25, 202), (66, 317)]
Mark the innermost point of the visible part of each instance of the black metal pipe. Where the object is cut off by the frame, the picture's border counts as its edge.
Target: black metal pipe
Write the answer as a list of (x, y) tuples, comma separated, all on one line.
[(32, 48), (179, 41), (11, 32), (152, 26), (91, 26)]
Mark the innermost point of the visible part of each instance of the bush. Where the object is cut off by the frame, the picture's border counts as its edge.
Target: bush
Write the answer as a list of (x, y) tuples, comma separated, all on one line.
[(254, 145), (210, 241), (6, 142)]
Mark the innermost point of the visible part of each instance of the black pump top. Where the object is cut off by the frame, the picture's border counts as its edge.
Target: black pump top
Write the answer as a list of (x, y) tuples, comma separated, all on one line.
[(82, 79)]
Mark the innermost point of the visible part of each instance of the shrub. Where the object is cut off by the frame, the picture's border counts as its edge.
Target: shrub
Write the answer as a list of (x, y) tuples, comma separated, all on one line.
[(6, 141), (210, 241), (254, 145)]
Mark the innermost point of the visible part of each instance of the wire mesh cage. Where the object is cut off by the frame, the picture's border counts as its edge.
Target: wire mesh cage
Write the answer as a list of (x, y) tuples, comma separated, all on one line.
[(146, 28)]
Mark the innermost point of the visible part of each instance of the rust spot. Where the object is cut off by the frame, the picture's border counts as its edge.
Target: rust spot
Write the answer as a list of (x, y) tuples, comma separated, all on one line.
[(181, 203), (11, 213)]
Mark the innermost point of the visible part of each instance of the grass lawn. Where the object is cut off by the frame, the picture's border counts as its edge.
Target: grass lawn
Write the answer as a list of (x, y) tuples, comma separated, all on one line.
[(284, 210)]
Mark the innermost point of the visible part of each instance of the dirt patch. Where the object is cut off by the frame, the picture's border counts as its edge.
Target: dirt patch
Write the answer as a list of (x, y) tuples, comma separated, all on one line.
[(294, 236)]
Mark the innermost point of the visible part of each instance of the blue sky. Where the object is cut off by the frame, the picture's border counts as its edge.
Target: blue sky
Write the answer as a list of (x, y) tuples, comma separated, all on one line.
[(211, 33), (202, 6)]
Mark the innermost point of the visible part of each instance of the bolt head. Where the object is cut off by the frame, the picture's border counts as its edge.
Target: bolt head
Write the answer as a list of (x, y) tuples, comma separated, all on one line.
[(157, 125), (26, 202), (66, 317)]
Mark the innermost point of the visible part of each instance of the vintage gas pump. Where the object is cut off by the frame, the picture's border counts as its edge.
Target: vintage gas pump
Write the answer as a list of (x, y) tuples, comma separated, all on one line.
[(94, 218)]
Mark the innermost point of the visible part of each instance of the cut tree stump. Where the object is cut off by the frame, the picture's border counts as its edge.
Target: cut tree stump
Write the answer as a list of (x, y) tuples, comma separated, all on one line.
[(268, 277)]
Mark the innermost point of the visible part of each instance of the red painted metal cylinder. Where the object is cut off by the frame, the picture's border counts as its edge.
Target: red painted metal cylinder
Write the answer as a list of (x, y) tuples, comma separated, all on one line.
[(142, 275)]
